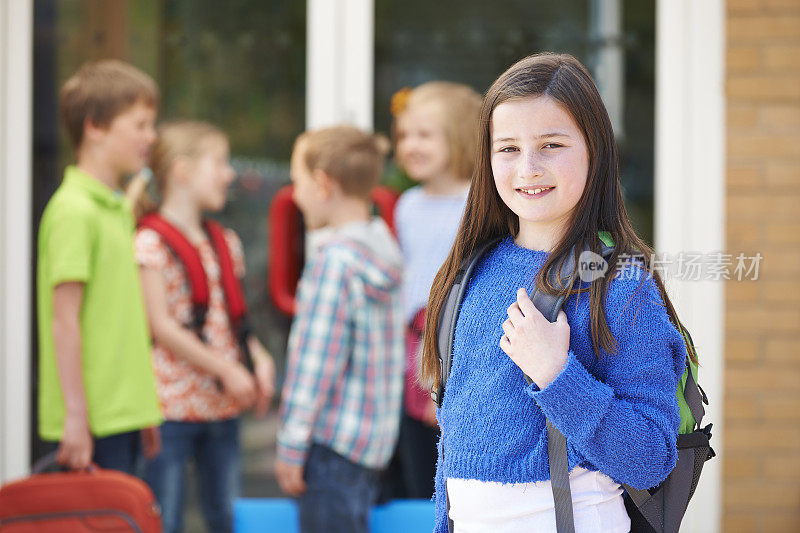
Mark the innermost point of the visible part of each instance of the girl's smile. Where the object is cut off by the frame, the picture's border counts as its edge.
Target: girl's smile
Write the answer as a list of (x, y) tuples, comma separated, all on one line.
[(533, 191), (422, 147), (540, 163)]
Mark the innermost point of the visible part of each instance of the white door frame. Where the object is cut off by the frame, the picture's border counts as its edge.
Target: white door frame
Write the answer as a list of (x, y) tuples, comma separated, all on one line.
[(339, 63), (690, 199), (16, 122)]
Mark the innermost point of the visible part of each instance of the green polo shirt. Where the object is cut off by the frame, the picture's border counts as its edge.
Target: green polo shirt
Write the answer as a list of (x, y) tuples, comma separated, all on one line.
[(86, 235)]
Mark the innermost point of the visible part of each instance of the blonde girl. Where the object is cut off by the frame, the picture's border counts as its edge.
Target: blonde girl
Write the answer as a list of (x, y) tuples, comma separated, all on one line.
[(202, 383), (435, 133)]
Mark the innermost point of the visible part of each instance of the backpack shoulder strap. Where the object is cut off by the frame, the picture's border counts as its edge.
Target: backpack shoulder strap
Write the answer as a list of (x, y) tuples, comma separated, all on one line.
[(692, 393), (232, 288), (448, 317), (231, 285), (189, 257)]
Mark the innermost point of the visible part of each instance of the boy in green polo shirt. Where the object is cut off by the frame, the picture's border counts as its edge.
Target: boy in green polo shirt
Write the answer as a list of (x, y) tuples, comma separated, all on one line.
[(96, 385)]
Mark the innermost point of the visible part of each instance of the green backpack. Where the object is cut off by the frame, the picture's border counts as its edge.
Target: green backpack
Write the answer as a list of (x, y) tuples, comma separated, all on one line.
[(656, 510), (688, 422)]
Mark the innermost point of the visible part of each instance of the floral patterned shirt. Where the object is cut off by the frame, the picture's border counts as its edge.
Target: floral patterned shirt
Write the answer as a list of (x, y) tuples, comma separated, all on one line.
[(186, 392)]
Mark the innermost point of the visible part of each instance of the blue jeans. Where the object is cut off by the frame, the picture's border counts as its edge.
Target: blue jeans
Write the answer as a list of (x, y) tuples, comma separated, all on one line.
[(116, 452), (339, 493), (119, 452), (214, 446)]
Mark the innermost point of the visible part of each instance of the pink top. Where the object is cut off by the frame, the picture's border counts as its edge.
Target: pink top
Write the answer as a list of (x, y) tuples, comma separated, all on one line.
[(416, 399)]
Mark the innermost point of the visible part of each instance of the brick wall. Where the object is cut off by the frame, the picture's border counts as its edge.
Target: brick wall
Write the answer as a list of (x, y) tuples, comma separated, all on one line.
[(761, 472)]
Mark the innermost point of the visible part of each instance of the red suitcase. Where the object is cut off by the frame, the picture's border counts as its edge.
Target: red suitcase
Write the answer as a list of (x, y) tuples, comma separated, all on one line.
[(96, 501)]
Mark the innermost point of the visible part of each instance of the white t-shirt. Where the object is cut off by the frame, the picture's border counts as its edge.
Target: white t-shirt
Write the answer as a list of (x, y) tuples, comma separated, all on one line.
[(487, 506)]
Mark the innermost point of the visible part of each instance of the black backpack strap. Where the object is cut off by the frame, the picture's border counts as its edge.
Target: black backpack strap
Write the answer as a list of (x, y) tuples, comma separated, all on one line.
[(445, 334), (448, 317), (691, 393), (550, 305)]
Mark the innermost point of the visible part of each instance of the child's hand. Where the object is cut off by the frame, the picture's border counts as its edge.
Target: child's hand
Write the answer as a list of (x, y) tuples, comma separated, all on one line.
[(239, 383), (151, 442), (290, 478), (538, 347), (76, 447), (264, 368)]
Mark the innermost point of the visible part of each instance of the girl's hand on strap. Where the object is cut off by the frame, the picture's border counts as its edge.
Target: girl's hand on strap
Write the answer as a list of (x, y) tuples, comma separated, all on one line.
[(537, 346)]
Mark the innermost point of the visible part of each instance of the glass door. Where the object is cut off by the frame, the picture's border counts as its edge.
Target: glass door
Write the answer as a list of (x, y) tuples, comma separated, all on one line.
[(472, 42), (240, 65)]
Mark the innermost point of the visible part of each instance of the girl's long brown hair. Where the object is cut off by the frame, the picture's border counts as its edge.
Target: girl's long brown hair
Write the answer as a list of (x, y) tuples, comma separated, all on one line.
[(600, 208)]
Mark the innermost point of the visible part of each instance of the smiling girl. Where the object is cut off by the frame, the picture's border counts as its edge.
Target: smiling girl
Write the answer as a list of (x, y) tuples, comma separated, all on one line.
[(604, 373)]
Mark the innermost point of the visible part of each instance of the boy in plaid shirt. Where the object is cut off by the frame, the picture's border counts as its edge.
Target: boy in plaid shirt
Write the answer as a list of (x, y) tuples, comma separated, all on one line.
[(342, 397)]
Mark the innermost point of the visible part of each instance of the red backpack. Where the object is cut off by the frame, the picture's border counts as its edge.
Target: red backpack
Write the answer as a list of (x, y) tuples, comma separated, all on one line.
[(189, 257), (80, 501)]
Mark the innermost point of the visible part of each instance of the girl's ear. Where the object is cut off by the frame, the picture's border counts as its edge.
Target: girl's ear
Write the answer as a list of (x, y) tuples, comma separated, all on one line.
[(181, 171), (326, 185)]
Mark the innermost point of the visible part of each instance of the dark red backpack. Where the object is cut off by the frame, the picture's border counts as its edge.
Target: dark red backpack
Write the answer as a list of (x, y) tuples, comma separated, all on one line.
[(189, 257)]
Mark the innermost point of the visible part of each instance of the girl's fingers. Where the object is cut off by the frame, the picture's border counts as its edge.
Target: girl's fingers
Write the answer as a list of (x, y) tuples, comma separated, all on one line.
[(508, 327), (505, 345), (514, 313), (525, 303)]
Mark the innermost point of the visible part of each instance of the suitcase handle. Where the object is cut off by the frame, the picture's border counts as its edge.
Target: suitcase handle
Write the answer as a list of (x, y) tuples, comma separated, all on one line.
[(49, 461)]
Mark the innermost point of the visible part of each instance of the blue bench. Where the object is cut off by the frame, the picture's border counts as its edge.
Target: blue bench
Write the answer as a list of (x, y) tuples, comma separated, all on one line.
[(257, 515)]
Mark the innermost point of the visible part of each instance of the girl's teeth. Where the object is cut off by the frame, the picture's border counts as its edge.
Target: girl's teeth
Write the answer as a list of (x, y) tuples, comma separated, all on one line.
[(536, 191)]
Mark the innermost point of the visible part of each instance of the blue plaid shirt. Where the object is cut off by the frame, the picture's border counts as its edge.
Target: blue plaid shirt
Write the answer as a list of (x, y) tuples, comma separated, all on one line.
[(344, 381)]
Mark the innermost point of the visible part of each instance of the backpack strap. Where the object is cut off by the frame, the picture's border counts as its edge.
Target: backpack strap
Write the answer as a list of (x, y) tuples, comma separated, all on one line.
[(692, 393), (231, 287), (448, 317), (550, 305), (189, 257)]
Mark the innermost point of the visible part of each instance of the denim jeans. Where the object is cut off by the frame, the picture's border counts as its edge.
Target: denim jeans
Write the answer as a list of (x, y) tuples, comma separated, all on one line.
[(339, 493), (214, 446), (119, 452), (115, 452)]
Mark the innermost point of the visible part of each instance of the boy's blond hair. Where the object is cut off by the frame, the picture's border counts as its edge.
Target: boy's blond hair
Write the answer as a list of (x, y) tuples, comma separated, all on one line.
[(459, 106), (352, 157), (100, 91)]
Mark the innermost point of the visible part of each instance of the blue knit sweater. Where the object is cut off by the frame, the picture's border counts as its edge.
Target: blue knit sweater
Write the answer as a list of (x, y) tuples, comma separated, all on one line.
[(618, 412)]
